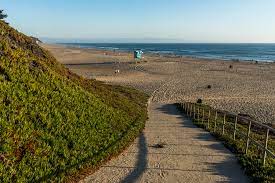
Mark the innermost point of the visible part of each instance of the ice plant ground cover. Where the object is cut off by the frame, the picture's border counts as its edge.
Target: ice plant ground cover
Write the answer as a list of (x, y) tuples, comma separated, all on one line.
[(54, 123)]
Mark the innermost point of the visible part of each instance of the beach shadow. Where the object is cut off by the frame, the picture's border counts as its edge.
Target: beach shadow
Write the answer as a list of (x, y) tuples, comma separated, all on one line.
[(228, 167), (91, 64), (141, 164), (111, 63), (172, 109)]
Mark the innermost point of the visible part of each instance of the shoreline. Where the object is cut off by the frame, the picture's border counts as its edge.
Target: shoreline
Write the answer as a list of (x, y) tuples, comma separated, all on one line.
[(238, 87), (167, 55)]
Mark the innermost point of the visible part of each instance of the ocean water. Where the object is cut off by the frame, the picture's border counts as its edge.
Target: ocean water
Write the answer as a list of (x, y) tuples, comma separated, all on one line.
[(244, 52)]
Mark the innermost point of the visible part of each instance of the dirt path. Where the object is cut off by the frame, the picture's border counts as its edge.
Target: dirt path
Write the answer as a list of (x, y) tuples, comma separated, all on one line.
[(189, 154)]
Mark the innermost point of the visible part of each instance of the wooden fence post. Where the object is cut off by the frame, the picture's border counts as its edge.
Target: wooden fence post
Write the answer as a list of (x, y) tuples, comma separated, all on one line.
[(198, 117), (247, 140), (203, 116), (265, 147), (209, 116), (216, 118), (190, 109), (235, 127), (223, 124), (194, 111), (185, 107)]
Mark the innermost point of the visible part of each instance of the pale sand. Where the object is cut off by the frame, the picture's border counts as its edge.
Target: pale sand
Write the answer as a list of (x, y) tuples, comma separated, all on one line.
[(190, 154), (247, 88)]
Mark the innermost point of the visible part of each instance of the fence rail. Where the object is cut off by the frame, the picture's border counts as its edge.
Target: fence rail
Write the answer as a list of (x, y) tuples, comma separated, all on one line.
[(203, 115)]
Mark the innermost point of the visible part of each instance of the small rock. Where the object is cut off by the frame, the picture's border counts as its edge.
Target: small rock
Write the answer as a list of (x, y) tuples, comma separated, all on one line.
[(159, 145), (199, 101)]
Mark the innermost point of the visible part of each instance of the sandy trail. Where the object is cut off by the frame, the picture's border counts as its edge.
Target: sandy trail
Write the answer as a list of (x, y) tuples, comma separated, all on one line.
[(190, 154)]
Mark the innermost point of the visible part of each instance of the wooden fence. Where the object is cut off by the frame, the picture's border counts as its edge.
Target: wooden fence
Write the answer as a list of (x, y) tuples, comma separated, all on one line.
[(236, 126)]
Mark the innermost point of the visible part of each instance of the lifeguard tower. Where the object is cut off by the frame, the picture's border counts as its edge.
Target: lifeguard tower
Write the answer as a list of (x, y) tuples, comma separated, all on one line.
[(138, 54)]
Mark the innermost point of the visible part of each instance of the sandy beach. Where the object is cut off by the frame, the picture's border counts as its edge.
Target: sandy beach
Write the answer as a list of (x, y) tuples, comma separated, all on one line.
[(245, 87)]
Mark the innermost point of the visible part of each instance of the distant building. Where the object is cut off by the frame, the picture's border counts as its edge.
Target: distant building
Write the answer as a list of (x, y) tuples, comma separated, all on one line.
[(138, 54)]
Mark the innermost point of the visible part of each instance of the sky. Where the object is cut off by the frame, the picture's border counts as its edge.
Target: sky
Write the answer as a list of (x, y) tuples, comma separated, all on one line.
[(187, 21)]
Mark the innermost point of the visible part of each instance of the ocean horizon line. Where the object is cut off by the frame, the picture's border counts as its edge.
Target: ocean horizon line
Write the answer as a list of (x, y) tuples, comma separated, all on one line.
[(217, 43), (235, 51)]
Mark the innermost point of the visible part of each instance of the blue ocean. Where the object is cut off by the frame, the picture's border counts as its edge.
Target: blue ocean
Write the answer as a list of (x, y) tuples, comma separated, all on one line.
[(242, 52)]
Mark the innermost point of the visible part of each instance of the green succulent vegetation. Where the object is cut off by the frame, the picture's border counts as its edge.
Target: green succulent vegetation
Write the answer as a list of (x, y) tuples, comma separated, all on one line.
[(252, 161), (54, 123)]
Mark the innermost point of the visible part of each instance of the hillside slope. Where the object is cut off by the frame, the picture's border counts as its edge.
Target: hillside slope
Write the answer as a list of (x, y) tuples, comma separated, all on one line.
[(53, 122)]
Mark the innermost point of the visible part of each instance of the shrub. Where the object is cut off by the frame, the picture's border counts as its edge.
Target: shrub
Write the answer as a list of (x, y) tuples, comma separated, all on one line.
[(2, 15), (199, 101)]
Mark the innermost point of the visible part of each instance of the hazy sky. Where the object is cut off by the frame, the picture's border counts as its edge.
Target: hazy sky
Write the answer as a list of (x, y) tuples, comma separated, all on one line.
[(145, 20)]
